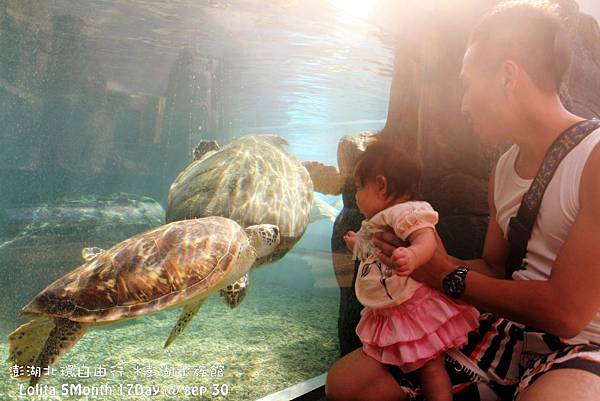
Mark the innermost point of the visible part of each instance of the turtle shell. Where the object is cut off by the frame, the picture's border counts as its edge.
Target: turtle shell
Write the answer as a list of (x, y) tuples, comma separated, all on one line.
[(251, 180), (151, 271)]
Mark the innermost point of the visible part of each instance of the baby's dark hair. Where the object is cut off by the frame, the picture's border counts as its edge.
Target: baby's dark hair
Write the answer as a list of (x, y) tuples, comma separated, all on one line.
[(383, 156)]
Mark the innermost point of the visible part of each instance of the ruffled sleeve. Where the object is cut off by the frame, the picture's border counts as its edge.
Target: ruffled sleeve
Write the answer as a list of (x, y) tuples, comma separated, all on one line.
[(409, 217)]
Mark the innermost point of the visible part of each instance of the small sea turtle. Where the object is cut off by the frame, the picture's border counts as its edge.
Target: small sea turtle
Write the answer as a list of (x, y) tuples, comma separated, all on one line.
[(251, 180), (177, 264)]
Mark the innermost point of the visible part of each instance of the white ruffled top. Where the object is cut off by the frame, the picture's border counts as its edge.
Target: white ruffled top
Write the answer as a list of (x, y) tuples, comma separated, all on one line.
[(376, 284)]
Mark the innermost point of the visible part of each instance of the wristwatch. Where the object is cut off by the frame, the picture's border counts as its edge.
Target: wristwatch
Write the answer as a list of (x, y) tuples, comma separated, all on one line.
[(454, 282)]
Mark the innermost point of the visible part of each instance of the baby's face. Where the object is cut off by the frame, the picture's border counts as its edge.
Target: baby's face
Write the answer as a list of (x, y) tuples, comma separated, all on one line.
[(367, 198)]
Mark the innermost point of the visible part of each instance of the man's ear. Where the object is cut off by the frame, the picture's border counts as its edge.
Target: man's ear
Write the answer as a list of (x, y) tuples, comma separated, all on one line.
[(510, 75)]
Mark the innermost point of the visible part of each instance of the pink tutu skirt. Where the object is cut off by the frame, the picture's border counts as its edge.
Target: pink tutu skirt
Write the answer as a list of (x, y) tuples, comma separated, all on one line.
[(416, 331)]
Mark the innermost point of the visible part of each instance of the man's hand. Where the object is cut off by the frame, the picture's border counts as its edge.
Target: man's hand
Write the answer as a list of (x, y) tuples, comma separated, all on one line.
[(350, 240), (387, 242)]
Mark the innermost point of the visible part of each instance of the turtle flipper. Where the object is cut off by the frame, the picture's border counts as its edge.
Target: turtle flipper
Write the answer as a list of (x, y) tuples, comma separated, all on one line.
[(322, 210), (235, 292), (189, 311), (42, 342), (27, 341), (326, 179)]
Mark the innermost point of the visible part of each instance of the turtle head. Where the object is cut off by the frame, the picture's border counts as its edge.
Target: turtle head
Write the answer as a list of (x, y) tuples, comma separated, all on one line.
[(264, 238), (203, 147), (273, 139), (91, 253)]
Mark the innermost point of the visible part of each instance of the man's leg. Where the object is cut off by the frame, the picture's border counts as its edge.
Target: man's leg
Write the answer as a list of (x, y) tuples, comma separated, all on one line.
[(563, 385), (357, 377)]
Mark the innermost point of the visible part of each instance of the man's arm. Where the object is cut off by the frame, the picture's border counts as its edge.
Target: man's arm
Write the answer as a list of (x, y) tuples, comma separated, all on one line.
[(562, 305)]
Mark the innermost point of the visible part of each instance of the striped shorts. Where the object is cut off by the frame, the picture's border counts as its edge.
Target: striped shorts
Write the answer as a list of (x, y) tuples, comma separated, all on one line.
[(502, 358)]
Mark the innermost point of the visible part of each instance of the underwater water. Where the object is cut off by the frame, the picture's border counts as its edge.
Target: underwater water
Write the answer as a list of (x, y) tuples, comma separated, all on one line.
[(101, 105)]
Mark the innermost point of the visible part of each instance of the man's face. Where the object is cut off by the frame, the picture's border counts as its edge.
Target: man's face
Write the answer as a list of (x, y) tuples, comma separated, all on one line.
[(484, 102)]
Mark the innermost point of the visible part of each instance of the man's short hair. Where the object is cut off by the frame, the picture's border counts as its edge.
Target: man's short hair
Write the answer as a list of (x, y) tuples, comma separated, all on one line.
[(529, 32)]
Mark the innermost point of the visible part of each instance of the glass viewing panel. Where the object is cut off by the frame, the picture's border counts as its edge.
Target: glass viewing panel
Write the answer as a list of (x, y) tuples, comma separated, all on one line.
[(101, 106)]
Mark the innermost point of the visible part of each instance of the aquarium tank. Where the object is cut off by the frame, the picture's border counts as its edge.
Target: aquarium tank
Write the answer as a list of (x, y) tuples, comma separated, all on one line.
[(102, 104)]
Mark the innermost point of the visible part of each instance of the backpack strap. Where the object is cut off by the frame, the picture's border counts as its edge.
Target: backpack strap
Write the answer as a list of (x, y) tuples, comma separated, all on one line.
[(521, 225)]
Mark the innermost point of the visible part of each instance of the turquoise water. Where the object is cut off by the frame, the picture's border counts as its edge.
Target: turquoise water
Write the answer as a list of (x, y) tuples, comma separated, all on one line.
[(101, 104)]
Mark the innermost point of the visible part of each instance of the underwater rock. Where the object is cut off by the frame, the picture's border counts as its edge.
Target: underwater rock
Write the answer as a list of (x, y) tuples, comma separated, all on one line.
[(251, 180), (40, 243), (72, 94), (20, 90), (193, 109)]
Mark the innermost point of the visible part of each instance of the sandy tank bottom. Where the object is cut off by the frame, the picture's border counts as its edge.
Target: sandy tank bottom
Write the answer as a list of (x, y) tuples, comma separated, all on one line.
[(277, 337)]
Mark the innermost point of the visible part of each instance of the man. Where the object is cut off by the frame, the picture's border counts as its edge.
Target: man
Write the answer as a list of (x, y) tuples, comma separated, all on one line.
[(512, 71)]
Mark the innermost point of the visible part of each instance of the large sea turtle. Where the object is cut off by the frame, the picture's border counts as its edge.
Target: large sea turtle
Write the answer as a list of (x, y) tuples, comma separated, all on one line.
[(251, 180), (177, 264)]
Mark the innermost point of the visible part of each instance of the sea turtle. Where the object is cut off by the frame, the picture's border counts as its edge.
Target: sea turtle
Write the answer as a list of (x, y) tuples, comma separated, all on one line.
[(177, 264), (327, 179), (251, 180)]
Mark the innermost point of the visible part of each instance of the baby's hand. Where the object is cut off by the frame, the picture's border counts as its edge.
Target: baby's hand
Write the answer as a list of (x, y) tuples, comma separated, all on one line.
[(404, 261), (350, 239)]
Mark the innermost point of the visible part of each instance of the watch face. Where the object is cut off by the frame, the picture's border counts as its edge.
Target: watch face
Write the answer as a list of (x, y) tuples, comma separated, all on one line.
[(453, 285)]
